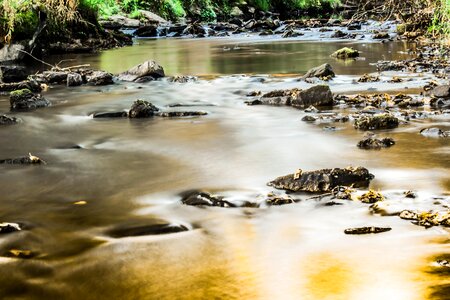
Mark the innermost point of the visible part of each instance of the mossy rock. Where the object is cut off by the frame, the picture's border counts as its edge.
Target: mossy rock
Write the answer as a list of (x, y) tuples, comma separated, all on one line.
[(381, 121), (346, 52), (23, 93)]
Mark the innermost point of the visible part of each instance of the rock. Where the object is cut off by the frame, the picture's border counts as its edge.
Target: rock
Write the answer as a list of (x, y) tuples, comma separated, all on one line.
[(9, 227), (195, 29), (280, 200), (371, 197), (152, 17), (368, 78), (148, 68), (74, 79), (323, 180), (142, 109), (12, 73), (199, 198), (291, 33), (172, 114), (31, 84), (408, 215), (380, 121), (373, 143), (236, 12), (99, 78), (346, 52), (309, 119), (26, 160), (12, 52), (441, 91), (339, 34), (319, 95), (183, 79), (124, 22), (311, 109), (26, 100), (381, 36), (157, 228), (320, 71), (354, 26), (147, 31), (57, 77), (116, 114), (342, 193), (367, 230), (19, 253), (410, 194), (433, 132), (5, 120)]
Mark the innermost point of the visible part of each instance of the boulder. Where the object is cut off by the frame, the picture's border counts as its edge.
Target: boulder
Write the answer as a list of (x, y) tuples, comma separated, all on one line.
[(6, 120), (99, 78), (324, 180), (290, 33), (30, 84), (148, 68), (441, 91), (380, 121), (74, 79), (25, 160), (371, 197), (26, 100), (367, 230), (319, 95), (324, 70), (11, 73), (374, 143), (381, 36), (152, 17), (12, 52), (124, 22), (199, 198), (236, 12), (147, 31), (354, 26), (58, 77), (346, 52), (142, 109)]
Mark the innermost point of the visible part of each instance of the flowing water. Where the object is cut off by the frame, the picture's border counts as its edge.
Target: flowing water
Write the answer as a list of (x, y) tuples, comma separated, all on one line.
[(131, 171)]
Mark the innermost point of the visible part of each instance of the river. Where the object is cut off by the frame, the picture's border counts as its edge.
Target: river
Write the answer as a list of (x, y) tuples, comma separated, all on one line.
[(130, 172)]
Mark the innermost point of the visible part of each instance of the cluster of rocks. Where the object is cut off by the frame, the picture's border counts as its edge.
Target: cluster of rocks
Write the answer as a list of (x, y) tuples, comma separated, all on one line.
[(426, 219)]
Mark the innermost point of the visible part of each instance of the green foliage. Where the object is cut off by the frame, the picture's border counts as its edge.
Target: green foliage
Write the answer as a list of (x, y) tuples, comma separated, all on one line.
[(440, 25)]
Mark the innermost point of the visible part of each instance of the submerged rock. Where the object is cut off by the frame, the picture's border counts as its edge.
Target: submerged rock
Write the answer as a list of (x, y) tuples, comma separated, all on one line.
[(367, 230), (279, 199), (426, 219), (142, 109), (199, 198), (309, 118), (324, 180), (381, 36), (9, 227), (172, 114), (183, 79), (434, 132), (6, 120), (380, 121), (116, 114), (25, 160), (374, 143), (26, 100), (324, 70), (346, 52), (146, 69), (157, 228)]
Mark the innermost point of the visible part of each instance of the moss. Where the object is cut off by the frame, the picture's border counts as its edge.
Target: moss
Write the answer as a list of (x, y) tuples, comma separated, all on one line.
[(371, 197), (381, 121), (346, 52), (21, 93)]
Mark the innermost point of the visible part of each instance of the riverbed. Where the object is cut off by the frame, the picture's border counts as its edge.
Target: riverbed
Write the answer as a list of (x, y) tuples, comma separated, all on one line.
[(131, 171)]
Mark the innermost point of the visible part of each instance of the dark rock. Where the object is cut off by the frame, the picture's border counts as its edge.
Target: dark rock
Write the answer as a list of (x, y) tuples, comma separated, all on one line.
[(32, 85), (116, 114), (142, 109), (319, 95), (323, 180), (144, 79), (57, 77), (199, 198), (9, 227), (6, 120), (324, 70), (99, 78), (12, 73), (367, 230), (381, 36), (20, 253), (172, 114), (374, 143), (339, 34), (410, 194), (26, 100), (147, 31), (74, 79), (280, 200), (26, 160), (433, 132), (291, 33), (346, 52), (194, 29), (157, 228), (309, 118), (354, 26), (148, 68), (381, 121)]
